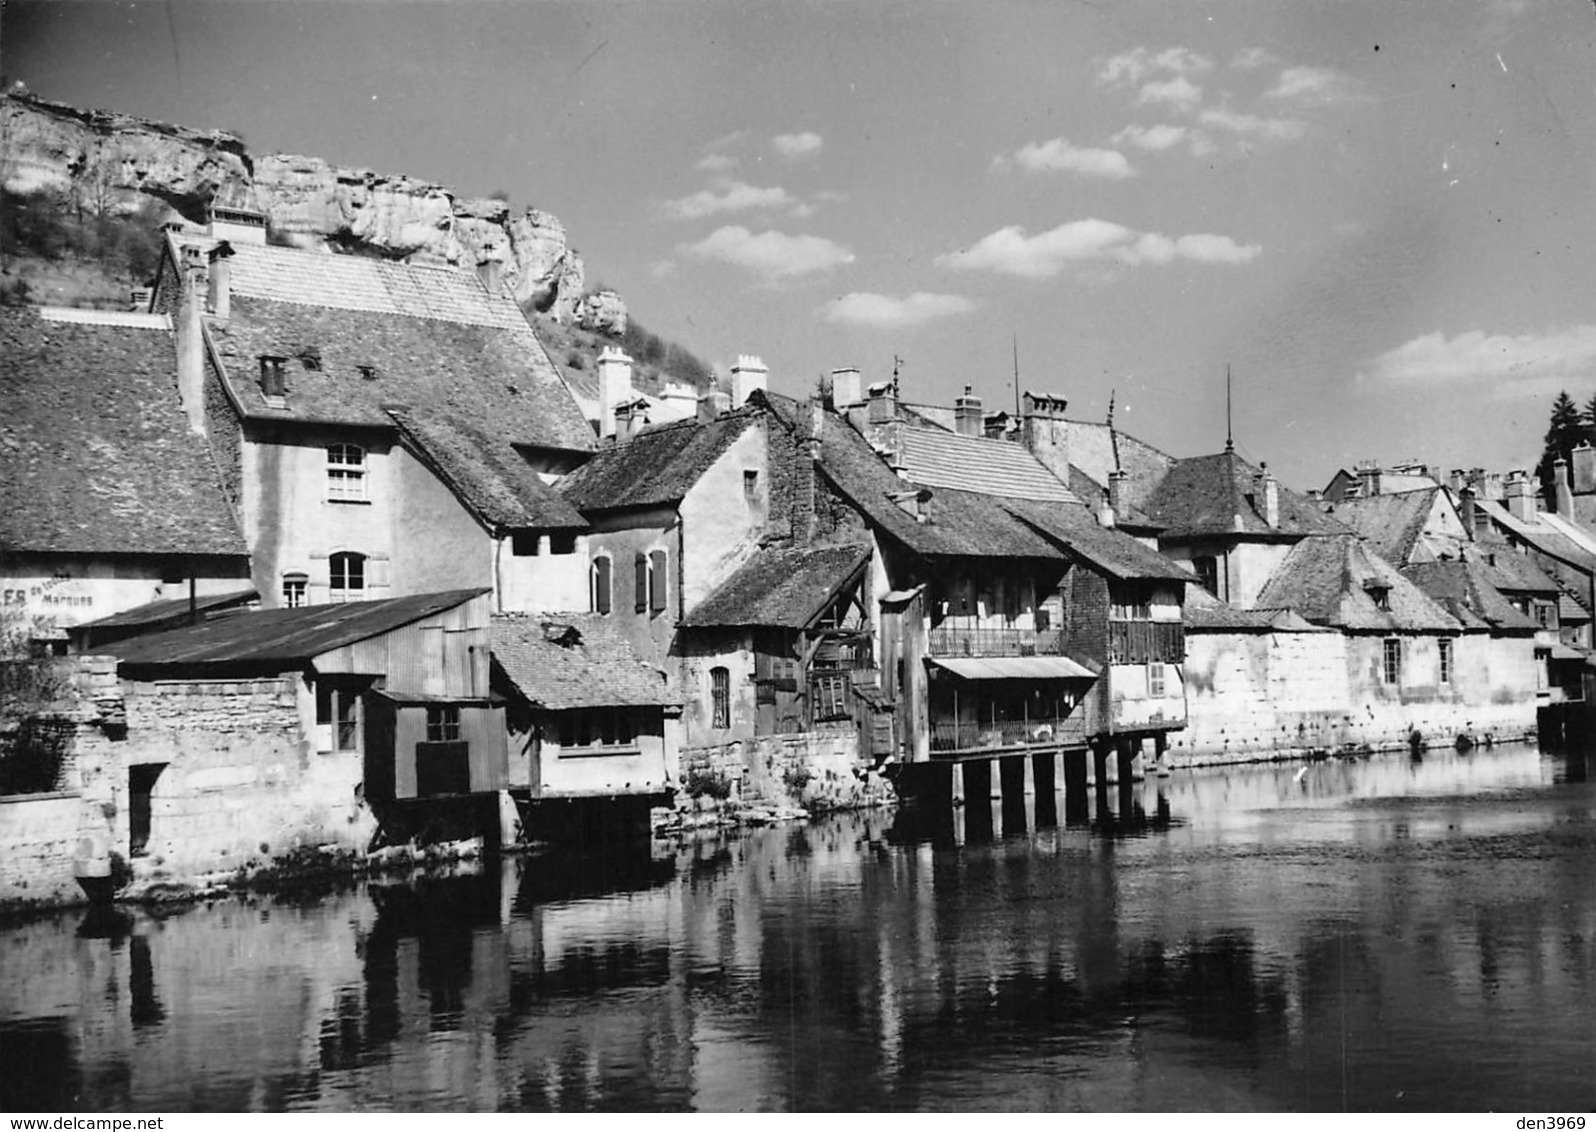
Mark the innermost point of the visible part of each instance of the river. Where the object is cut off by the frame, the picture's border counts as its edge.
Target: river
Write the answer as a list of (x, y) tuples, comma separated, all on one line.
[(1388, 933)]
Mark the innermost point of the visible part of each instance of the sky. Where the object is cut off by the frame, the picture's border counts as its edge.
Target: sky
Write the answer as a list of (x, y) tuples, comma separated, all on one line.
[(1379, 216)]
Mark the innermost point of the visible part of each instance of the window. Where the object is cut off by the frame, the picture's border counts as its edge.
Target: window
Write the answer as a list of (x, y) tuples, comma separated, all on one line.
[(1391, 668), (1155, 678), (597, 727), (1380, 595), (346, 473), (272, 383), (562, 543), (347, 576), (751, 486), (443, 724), (720, 697), (1207, 570), (1446, 660), (1011, 600), (656, 581), (294, 590), (598, 581), (337, 714), (524, 544), (1543, 614), (831, 696)]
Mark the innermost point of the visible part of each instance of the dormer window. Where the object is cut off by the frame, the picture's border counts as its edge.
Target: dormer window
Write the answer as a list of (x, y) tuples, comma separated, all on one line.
[(310, 358), (1380, 594), (273, 383), (368, 372)]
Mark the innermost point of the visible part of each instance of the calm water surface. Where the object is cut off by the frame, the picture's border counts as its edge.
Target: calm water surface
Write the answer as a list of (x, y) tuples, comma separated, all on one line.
[(1377, 934)]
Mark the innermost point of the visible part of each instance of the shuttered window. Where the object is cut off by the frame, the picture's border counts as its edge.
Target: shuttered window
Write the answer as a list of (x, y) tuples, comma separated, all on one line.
[(599, 585), (640, 566), (656, 581)]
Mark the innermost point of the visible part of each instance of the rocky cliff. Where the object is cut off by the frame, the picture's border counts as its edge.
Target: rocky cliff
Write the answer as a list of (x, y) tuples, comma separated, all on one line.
[(102, 161)]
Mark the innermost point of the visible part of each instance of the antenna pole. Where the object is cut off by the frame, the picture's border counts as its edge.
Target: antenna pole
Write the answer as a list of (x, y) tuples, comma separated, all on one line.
[(1015, 339), (1230, 435)]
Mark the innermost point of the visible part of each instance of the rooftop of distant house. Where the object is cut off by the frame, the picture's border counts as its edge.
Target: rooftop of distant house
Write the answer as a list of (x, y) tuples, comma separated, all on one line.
[(560, 661)]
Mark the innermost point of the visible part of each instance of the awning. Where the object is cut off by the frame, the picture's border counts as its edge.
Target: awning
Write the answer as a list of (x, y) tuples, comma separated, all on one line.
[(1014, 668), (1567, 652)]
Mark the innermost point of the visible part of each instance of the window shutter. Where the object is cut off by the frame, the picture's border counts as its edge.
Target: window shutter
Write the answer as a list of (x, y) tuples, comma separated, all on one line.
[(656, 581), (601, 585), (640, 564)]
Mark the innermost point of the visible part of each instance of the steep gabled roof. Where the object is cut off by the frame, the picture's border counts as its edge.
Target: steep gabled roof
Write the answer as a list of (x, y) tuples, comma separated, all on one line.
[(1111, 551), (96, 455), (1091, 448), (1464, 589), (1540, 533), (939, 459), (1222, 494), (280, 639), (785, 589), (657, 467), (1203, 612), (560, 661), (1327, 579), (1393, 523), (1509, 570)]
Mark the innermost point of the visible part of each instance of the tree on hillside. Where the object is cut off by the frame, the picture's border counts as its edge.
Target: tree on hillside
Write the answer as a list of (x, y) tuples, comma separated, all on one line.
[(1590, 419), (1567, 428)]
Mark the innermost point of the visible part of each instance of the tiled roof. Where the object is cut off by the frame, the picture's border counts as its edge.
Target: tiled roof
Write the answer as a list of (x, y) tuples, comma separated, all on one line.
[(1222, 494), (1464, 589), (957, 523), (279, 639), (485, 472), (783, 588), (1112, 551), (1324, 578), (96, 455), (574, 660), (495, 379), (1094, 494), (1392, 522), (1203, 612), (1541, 534), (657, 467), (1509, 570), (935, 458)]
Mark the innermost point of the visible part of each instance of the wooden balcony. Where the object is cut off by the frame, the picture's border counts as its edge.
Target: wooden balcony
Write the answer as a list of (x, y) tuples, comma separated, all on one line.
[(947, 641), (949, 739), (1137, 642)]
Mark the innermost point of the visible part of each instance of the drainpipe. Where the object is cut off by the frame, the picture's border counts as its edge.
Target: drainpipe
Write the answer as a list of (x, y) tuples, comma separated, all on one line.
[(498, 573)]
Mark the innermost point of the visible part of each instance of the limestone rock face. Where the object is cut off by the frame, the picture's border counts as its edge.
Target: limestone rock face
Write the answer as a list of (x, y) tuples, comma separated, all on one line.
[(115, 160), (602, 310)]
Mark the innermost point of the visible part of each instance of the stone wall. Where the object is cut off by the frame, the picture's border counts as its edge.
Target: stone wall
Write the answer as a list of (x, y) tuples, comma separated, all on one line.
[(815, 769), (38, 839)]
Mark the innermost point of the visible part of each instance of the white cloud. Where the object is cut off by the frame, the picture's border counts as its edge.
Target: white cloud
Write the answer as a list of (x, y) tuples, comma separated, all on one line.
[(887, 312), (1251, 125), (1177, 92), (717, 163), (1131, 67), (1314, 86), (1253, 59), (1155, 138), (731, 196), (1058, 154), (1010, 251), (1434, 359), (772, 255), (797, 145)]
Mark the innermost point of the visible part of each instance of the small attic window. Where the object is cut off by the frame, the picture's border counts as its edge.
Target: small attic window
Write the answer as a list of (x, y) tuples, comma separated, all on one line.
[(368, 371), (1380, 594), (310, 358), (272, 380)]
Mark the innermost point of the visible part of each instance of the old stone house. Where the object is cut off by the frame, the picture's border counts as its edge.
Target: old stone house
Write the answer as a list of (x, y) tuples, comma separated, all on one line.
[(107, 500), (381, 428)]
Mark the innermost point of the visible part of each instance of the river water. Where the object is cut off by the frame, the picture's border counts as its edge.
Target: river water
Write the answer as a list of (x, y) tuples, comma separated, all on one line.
[(1385, 933)]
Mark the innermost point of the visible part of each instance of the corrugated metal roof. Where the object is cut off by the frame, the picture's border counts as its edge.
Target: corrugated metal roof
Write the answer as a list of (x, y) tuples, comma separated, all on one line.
[(1014, 668), (286, 637), (157, 611)]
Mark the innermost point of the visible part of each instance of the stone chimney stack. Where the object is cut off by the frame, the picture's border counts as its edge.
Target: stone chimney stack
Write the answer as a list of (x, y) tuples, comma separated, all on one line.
[(1368, 479), (747, 375), (615, 386), (1045, 432), (1562, 500), (491, 271), (712, 404), (1518, 494), (1584, 469), (1116, 497), (968, 419), (221, 286), (629, 418), (883, 403), (191, 336), (1271, 498), (1468, 512), (845, 389)]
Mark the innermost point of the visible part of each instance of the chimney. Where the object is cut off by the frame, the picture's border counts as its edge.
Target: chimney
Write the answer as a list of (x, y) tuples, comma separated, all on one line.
[(1368, 479), (747, 375), (712, 404), (615, 386), (1457, 480), (491, 271), (1562, 500), (221, 289), (1469, 513), (630, 417), (809, 471), (1116, 489), (1271, 497), (996, 426), (967, 415), (1519, 496), (1045, 432), (1584, 469), (912, 502), (678, 401), (883, 403), (191, 337), (845, 389)]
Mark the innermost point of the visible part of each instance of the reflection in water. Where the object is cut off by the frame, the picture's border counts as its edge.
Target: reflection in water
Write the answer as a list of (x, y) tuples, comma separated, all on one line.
[(1383, 933)]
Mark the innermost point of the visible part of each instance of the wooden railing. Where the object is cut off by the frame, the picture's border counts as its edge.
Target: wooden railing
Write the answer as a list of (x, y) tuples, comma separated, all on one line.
[(1137, 642), (951, 642), (955, 738)]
